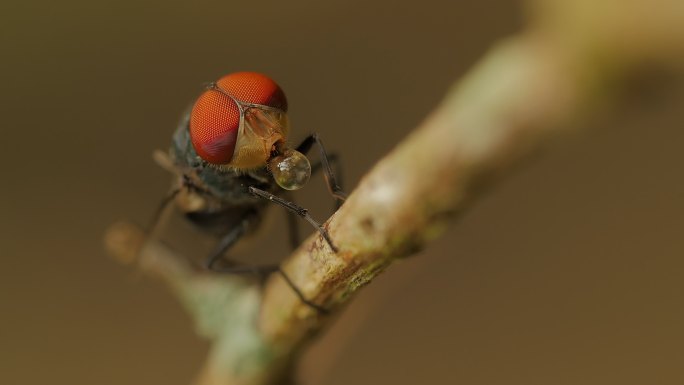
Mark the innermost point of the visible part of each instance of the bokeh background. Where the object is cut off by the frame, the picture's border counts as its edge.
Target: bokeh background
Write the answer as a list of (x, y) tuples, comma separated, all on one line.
[(570, 271)]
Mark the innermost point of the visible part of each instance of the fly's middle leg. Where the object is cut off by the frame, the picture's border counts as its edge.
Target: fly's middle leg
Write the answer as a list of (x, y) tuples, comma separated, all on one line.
[(218, 256)]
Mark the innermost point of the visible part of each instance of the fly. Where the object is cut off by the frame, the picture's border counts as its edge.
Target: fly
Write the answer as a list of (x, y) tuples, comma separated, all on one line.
[(232, 159)]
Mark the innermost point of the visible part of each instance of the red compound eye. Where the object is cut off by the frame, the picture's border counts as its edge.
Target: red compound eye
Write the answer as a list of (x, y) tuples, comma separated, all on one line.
[(214, 123), (253, 87)]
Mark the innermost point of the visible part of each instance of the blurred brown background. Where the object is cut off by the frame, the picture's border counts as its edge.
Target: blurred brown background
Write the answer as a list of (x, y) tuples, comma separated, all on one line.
[(570, 272)]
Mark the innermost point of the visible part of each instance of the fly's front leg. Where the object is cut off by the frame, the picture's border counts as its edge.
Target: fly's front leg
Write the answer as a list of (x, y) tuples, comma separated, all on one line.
[(294, 208), (331, 181), (333, 159)]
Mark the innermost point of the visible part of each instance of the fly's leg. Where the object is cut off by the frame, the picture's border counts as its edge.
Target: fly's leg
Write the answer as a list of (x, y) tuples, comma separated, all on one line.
[(294, 288), (163, 205), (334, 162), (233, 267), (294, 208), (154, 225), (333, 158), (329, 176), (225, 243), (292, 225), (333, 182), (165, 162)]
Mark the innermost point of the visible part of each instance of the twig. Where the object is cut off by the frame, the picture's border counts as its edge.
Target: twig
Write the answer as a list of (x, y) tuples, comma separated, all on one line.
[(412, 194)]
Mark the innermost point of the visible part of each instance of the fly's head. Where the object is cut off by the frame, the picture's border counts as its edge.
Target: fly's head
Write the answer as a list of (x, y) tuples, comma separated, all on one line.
[(241, 122)]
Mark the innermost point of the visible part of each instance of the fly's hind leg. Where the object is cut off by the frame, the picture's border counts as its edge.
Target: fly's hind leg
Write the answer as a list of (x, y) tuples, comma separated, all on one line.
[(217, 260), (231, 267), (299, 294)]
